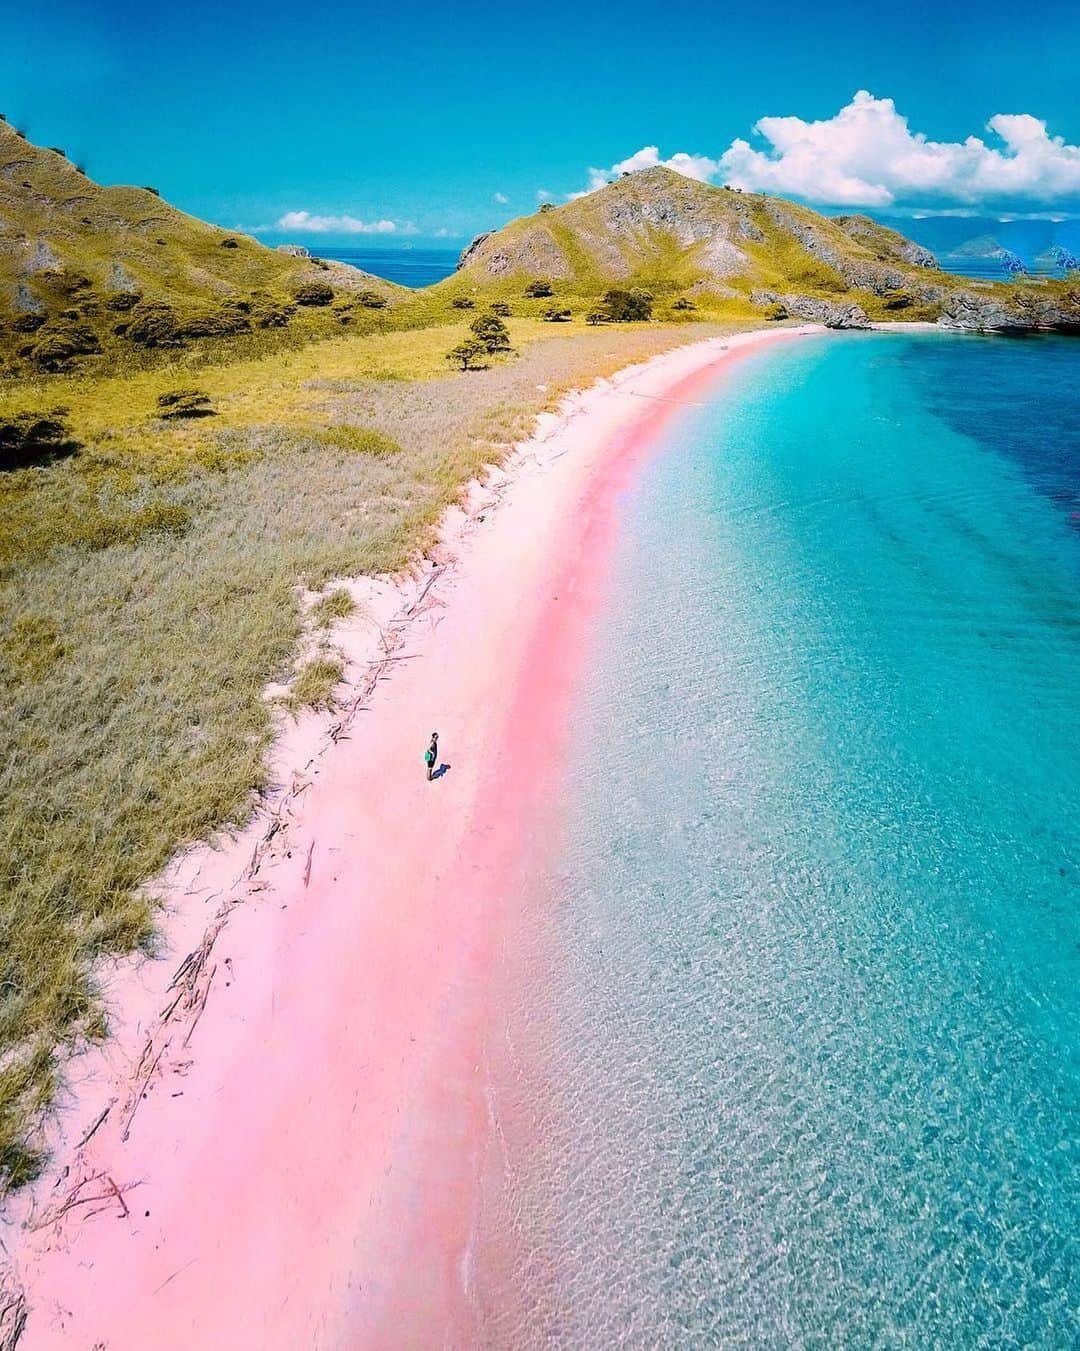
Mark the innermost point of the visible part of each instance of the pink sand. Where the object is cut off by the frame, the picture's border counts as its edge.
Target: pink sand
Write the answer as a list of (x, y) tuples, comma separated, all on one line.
[(303, 1172)]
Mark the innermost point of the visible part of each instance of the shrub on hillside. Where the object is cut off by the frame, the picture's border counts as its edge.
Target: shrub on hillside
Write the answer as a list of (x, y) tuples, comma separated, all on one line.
[(64, 280), (556, 314), (776, 312), (155, 192), (220, 322), (371, 300), (539, 290), (598, 315), (269, 311), (625, 307), (184, 403), (501, 308), (468, 355), (59, 344), (29, 322), (230, 244), (462, 303), (684, 304), (313, 293), (490, 330), (34, 438), (121, 301), (153, 324)]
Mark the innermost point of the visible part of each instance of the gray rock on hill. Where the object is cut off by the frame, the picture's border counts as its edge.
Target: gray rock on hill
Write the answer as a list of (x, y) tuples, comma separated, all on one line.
[(831, 313), (869, 232), (976, 314), (471, 248)]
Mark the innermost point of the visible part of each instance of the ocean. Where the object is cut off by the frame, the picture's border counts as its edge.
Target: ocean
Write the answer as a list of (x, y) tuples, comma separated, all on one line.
[(796, 1063), (407, 267)]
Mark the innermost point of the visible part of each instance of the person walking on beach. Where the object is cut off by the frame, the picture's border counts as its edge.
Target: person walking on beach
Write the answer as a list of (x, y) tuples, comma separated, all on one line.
[(431, 755)]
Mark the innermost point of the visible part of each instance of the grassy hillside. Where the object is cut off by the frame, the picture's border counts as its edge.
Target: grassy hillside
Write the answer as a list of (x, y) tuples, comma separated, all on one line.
[(93, 276), (725, 252)]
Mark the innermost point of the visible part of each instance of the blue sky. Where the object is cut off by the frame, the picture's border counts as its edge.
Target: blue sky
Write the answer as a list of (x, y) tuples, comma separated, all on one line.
[(340, 117)]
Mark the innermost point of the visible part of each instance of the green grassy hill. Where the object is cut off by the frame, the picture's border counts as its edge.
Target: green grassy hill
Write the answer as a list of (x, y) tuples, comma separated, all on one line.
[(726, 251), (89, 271)]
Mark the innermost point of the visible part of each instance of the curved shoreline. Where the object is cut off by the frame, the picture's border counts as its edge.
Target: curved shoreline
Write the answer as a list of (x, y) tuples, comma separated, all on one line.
[(280, 1146)]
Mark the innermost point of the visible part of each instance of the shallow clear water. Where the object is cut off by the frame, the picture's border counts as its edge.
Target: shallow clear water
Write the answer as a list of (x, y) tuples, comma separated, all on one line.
[(798, 1062)]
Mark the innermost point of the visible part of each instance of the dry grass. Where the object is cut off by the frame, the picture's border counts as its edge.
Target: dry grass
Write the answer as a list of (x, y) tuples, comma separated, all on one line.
[(328, 609), (150, 590), (315, 683)]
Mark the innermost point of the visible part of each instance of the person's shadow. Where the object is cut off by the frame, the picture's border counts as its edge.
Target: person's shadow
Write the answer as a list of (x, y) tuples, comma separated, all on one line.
[(444, 768)]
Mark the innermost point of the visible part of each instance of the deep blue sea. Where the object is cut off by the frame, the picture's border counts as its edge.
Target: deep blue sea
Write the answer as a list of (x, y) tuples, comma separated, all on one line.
[(407, 267), (803, 1066)]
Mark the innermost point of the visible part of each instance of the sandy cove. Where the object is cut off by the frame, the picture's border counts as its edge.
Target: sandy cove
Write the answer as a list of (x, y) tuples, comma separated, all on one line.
[(279, 1145)]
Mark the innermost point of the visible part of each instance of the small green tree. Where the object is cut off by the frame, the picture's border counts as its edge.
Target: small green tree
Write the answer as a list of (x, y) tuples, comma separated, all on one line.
[(597, 315), (501, 308), (467, 355), (538, 290), (462, 303), (626, 306), (683, 304), (556, 314), (490, 330)]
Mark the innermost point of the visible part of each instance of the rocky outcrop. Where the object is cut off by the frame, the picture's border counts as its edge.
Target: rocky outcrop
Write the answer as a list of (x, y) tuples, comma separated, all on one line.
[(470, 249), (885, 243), (877, 278), (971, 313), (532, 252), (43, 258), (917, 256), (831, 313), (672, 206), (294, 250), (861, 274), (120, 279)]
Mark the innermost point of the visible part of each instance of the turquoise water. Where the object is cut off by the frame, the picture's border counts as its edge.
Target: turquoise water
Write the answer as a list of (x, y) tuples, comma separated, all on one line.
[(804, 1066)]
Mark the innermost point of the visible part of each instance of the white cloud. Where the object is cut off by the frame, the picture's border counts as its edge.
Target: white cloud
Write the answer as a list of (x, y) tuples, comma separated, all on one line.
[(866, 155), (306, 222), (542, 195), (501, 198)]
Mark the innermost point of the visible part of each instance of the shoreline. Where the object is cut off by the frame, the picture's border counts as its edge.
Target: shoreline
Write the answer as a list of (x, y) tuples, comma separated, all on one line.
[(280, 1143)]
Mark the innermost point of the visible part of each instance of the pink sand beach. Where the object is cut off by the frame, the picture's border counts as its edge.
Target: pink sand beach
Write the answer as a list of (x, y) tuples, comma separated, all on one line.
[(279, 1147)]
